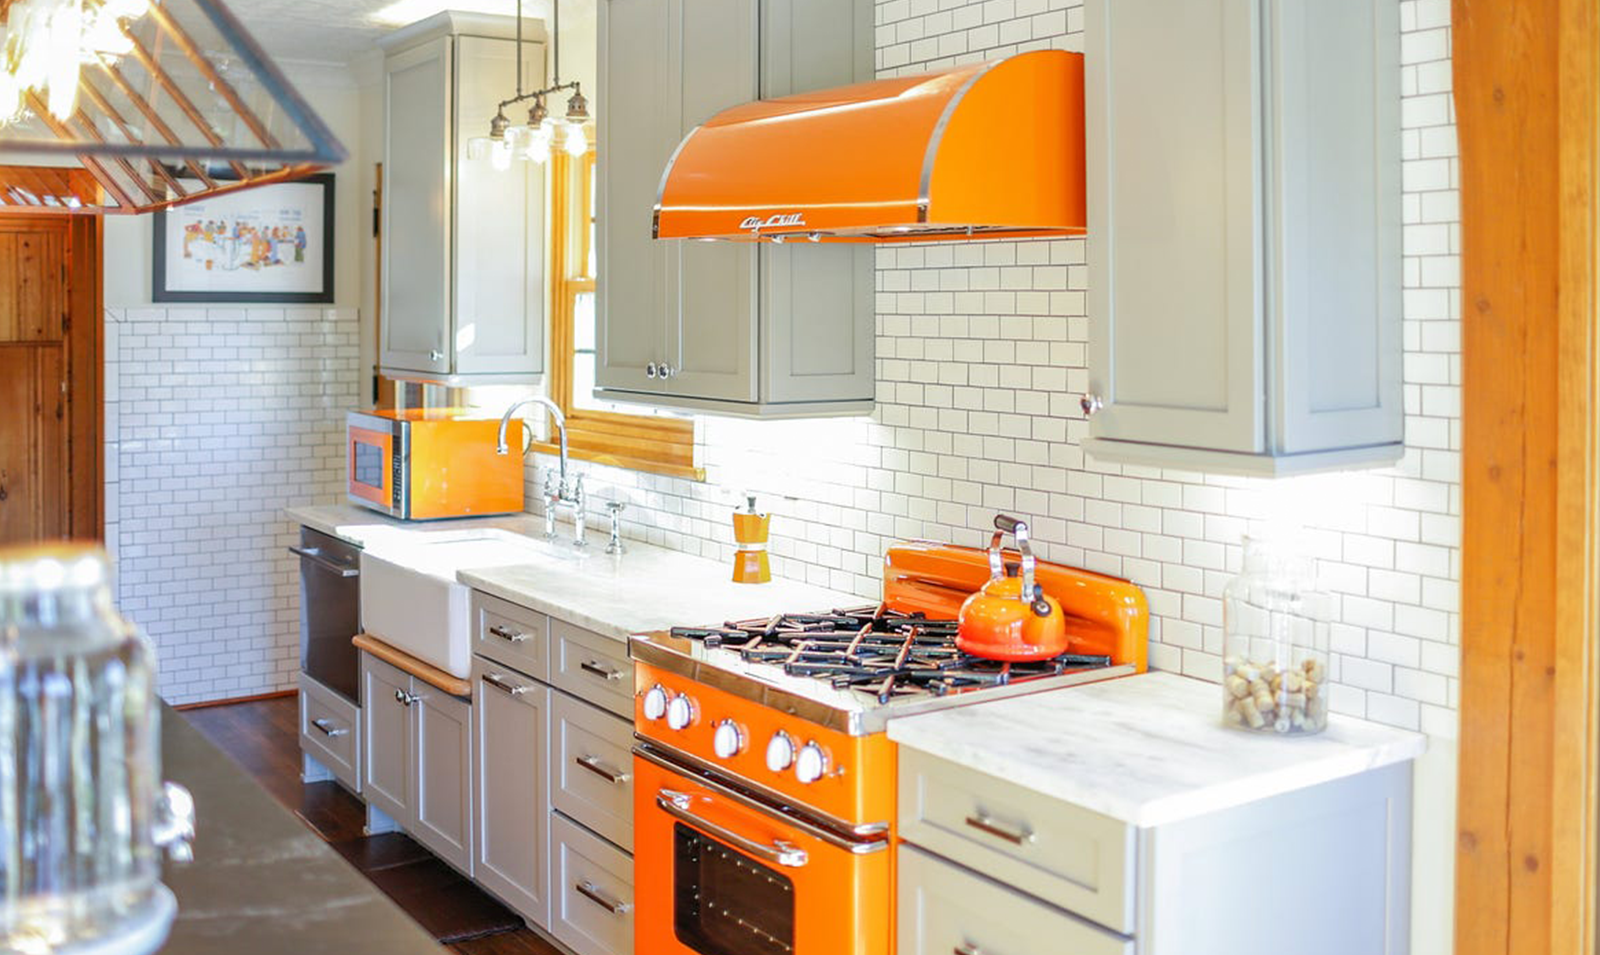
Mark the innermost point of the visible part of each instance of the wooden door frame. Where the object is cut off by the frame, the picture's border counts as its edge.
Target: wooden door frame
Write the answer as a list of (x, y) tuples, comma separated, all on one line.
[(1527, 89), (83, 329)]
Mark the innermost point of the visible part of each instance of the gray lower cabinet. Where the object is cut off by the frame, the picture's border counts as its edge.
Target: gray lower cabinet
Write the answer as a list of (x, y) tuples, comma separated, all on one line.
[(510, 740), (945, 908), (417, 766), (1244, 260), (724, 327), (991, 867), (330, 735), (551, 735), (591, 891)]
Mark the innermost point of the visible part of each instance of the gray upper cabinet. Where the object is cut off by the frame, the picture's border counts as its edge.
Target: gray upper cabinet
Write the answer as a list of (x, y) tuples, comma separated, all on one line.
[(1244, 234), (723, 327), (463, 244)]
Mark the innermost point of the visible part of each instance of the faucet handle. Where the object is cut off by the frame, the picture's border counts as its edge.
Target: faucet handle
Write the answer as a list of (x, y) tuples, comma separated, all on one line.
[(614, 510)]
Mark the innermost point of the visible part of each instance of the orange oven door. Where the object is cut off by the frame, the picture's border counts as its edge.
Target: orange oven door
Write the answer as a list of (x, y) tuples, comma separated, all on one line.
[(718, 872), (371, 463)]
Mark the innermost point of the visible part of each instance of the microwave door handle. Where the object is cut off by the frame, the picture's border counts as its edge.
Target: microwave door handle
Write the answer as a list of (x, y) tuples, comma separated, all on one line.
[(313, 555), (676, 805)]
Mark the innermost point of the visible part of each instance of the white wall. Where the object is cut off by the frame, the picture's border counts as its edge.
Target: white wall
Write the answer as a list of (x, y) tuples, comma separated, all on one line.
[(217, 418), (980, 363)]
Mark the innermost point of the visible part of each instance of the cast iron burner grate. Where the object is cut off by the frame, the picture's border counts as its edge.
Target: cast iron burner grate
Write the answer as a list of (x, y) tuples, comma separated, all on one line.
[(880, 652)]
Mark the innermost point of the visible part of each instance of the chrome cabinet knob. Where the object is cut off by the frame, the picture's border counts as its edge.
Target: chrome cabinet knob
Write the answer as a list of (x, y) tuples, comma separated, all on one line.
[(1090, 404), (650, 370), (436, 355), (667, 371), (655, 702)]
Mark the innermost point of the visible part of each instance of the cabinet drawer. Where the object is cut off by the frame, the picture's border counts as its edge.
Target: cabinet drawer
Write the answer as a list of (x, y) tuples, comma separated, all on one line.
[(330, 731), (946, 909), (1074, 858), (512, 635), (592, 886), (591, 667), (591, 775)]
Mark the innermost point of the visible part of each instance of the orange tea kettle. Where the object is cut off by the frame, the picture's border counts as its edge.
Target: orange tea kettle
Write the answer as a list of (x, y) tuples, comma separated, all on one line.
[(1011, 618)]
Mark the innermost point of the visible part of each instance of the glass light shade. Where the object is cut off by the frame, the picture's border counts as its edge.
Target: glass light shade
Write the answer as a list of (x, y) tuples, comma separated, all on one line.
[(537, 148), (478, 147), (500, 155), (575, 142)]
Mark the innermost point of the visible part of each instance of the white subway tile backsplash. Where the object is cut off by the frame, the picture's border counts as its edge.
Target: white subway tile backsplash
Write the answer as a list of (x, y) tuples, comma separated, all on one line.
[(218, 419)]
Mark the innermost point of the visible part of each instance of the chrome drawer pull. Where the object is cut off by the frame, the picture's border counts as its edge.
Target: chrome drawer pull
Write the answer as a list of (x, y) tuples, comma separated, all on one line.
[(592, 892), (594, 765), (676, 805), (506, 633), (497, 680), (967, 948), (327, 728), (605, 673), (1018, 837)]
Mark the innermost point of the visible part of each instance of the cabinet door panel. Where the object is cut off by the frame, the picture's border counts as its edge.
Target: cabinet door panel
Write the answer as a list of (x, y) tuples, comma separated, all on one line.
[(817, 301), (510, 756), (416, 220), (1175, 285), (444, 777), (711, 339), (636, 137), (1336, 224), (386, 746), (499, 223)]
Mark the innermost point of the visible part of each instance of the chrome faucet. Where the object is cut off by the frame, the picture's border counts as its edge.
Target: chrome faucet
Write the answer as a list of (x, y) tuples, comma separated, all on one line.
[(557, 489)]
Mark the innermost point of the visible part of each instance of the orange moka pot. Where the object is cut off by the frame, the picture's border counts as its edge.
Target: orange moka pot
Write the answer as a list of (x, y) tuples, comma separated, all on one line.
[(1011, 618)]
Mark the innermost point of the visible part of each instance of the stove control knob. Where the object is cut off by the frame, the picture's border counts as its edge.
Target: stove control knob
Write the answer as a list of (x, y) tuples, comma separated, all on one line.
[(727, 739), (655, 702), (810, 763), (780, 752), (680, 712)]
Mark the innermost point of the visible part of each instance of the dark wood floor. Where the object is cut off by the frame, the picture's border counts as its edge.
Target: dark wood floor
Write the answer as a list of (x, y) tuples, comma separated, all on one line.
[(262, 737)]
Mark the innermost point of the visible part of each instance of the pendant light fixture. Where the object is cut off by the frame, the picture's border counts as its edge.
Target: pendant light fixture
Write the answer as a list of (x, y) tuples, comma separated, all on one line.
[(533, 142)]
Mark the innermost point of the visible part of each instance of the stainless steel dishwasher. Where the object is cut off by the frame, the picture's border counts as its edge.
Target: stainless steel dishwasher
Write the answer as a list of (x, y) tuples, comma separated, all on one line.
[(330, 611)]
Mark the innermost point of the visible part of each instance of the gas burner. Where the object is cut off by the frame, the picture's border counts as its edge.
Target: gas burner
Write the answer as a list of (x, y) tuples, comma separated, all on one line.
[(882, 653)]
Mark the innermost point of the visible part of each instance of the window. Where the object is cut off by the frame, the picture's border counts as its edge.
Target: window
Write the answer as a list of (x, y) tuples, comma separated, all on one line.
[(597, 430)]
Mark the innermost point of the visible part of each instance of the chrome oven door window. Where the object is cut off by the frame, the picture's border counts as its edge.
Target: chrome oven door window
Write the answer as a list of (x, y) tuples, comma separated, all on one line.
[(726, 903)]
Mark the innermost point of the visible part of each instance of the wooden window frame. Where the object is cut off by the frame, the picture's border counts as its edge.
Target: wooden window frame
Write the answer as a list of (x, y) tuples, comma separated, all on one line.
[(638, 442)]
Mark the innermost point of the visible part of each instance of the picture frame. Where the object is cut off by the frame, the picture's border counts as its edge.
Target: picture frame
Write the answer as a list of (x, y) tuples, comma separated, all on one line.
[(262, 245)]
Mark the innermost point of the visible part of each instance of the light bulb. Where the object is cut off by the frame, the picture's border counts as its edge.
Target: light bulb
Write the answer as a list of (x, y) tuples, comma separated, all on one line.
[(537, 146), (576, 143), (500, 156)]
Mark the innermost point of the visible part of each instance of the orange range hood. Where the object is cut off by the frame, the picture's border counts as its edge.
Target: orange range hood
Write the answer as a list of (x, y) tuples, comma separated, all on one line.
[(988, 150)]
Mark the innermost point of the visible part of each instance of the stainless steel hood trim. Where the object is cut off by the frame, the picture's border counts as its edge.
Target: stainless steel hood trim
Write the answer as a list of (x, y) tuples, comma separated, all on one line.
[(872, 719), (661, 187), (830, 829), (932, 154)]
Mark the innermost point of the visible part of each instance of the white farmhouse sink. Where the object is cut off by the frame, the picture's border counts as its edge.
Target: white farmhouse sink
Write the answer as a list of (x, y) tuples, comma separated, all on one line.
[(409, 595)]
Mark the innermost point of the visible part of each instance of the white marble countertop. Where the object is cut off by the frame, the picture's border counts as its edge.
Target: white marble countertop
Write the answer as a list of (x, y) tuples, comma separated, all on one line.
[(1148, 749), (647, 588)]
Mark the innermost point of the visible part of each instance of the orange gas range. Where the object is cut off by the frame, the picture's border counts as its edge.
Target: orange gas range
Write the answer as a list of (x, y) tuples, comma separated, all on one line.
[(764, 783)]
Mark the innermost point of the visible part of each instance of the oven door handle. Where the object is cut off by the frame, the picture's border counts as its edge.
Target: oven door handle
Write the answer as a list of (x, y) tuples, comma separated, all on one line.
[(315, 556), (676, 804)]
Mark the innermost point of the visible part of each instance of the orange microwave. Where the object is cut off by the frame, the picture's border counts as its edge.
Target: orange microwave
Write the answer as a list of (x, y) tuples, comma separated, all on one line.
[(423, 465)]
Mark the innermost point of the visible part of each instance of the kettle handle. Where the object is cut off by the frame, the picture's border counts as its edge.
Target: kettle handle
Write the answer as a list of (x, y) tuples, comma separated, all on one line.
[(1005, 524)]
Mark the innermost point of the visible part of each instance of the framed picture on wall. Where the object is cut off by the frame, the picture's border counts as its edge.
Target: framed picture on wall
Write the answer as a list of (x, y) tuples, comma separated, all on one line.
[(264, 244)]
